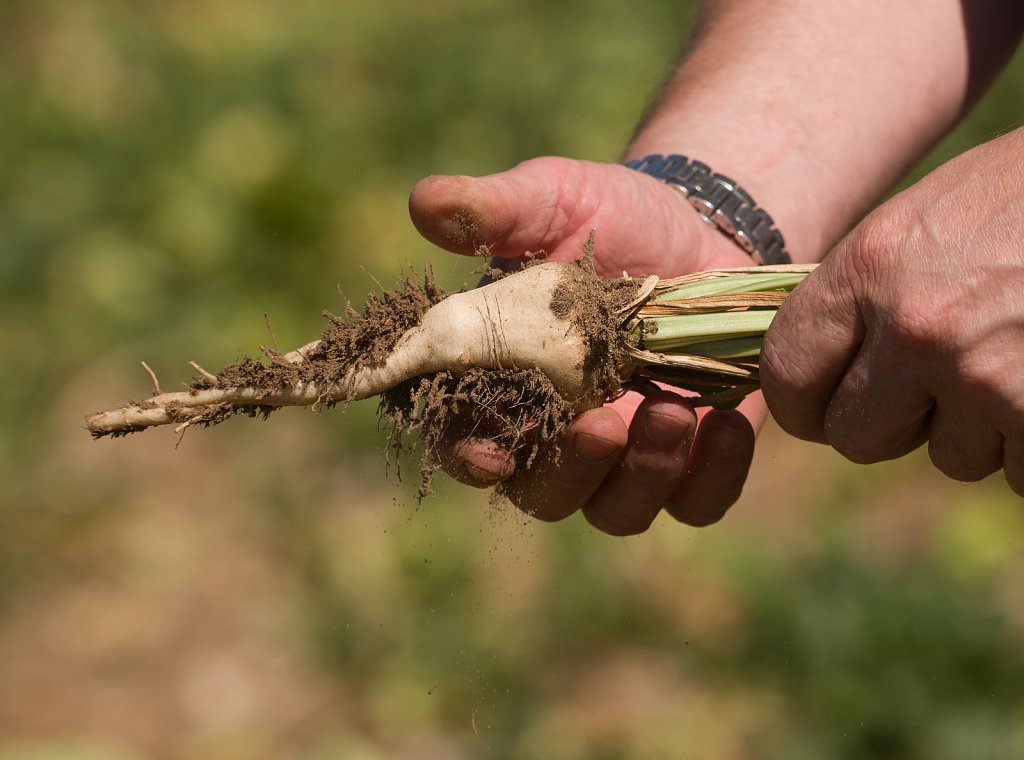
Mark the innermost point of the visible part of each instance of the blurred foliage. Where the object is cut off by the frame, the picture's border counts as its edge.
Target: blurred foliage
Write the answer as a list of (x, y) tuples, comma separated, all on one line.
[(175, 171)]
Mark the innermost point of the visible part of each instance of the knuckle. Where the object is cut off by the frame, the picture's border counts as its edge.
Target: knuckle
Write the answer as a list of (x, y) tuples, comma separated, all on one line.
[(918, 326), (655, 471), (989, 375), (873, 261), (872, 248), (546, 164)]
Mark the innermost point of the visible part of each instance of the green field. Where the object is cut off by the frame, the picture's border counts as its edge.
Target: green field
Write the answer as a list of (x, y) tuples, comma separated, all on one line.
[(177, 176)]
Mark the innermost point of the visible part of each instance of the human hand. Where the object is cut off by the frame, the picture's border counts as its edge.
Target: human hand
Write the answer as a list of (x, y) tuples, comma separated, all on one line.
[(624, 462), (913, 330)]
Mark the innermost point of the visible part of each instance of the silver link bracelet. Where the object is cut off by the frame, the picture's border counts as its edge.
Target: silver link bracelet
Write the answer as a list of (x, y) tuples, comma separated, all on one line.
[(721, 203)]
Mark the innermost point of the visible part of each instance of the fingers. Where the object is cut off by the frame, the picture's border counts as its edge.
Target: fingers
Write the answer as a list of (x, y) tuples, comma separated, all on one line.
[(962, 443), (807, 350), (555, 488), (879, 411), (620, 477), (716, 470), (1013, 463), (637, 488)]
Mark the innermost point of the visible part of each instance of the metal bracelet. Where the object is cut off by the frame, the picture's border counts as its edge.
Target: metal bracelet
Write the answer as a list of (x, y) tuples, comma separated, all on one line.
[(721, 203)]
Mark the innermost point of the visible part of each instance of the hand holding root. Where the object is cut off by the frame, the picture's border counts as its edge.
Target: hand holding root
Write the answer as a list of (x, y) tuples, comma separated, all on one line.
[(552, 204)]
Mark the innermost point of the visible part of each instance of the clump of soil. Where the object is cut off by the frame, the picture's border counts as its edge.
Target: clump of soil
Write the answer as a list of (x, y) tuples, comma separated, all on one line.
[(363, 338), (593, 304), (520, 410), (369, 337)]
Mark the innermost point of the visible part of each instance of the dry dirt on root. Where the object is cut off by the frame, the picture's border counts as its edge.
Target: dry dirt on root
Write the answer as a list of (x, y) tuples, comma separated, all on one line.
[(520, 410), (593, 304), (356, 339)]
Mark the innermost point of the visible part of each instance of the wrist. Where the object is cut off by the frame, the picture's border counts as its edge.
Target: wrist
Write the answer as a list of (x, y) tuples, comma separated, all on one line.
[(817, 138), (773, 176), (721, 202)]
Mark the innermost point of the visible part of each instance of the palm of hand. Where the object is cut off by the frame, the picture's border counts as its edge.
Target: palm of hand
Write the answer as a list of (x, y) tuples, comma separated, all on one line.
[(622, 463)]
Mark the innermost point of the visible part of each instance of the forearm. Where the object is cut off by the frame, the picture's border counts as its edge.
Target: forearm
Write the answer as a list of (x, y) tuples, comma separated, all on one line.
[(817, 107)]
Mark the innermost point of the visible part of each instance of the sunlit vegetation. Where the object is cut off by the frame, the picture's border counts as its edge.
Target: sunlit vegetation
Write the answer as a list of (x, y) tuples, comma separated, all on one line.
[(176, 165)]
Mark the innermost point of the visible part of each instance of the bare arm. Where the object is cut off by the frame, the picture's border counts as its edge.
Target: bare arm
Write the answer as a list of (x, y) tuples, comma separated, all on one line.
[(818, 107)]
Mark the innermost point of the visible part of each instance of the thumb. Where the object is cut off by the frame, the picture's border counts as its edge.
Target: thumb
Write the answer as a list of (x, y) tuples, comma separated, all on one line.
[(552, 205), (534, 206)]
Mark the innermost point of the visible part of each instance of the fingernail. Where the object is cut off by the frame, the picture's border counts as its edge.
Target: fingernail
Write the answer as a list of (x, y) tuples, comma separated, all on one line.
[(593, 449), (665, 426)]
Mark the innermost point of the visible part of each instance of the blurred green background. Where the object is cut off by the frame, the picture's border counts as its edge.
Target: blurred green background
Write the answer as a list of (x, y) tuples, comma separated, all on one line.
[(172, 172)]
